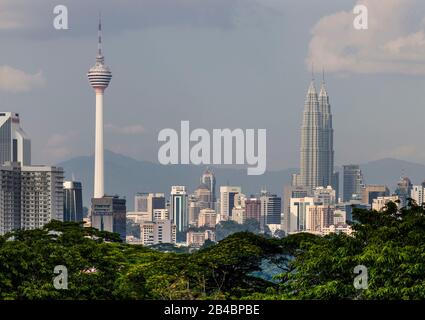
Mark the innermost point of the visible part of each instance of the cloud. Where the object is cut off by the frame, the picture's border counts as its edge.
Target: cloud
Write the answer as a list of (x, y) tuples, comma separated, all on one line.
[(58, 145), (403, 151), (10, 20), (393, 43), (14, 80), (125, 130)]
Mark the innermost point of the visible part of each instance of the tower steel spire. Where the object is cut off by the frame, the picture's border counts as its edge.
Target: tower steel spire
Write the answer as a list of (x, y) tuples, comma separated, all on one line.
[(99, 36)]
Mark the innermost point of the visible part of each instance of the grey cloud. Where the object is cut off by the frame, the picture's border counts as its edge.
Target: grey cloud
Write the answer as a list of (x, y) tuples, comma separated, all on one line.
[(35, 18)]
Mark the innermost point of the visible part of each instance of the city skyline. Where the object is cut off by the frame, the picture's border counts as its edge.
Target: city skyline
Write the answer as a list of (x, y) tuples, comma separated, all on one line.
[(280, 79), (218, 165), (316, 159)]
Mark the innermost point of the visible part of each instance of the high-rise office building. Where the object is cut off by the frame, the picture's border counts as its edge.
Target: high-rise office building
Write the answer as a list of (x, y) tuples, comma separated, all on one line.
[(316, 152), (239, 214), (288, 193), (73, 201), (42, 195), (148, 202), (373, 191), (404, 187), (204, 196), (353, 182), (156, 232), (15, 146), (253, 209), (319, 216), (109, 214), (179, 207), (160, 214), (207, 218), (227, 200), (271, 208), (379, 203), (417, 194), (299, 208), (193, 210), (99, 78), (208, 179), (326, 164), (327, 195), (10, 197)]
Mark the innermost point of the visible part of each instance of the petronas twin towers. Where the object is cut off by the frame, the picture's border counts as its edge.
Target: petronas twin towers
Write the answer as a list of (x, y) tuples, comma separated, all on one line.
[(317, 154)]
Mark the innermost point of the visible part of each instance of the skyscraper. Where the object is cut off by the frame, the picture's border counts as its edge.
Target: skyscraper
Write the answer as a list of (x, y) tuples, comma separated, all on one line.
[(373, 191), (73, 201), (253, 208), (227, 200), (319, 216), (10, 197), (41, 195), (326, 165), (99, 77), (30, 196), (299, 208), (203, 196), (316, 152), (417, 194), (179, 207), (15, 146), (290, 192), (271, 208), (353, 182), (109, 214), (404, 187), (208, 179), (148, 202)]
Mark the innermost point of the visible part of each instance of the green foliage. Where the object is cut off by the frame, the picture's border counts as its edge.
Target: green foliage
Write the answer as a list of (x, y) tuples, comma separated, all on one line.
[(226, 228), (100, 267), (391, 244)]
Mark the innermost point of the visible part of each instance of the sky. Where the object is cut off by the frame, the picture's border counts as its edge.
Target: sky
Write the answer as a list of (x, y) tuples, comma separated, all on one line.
[(219, 64)]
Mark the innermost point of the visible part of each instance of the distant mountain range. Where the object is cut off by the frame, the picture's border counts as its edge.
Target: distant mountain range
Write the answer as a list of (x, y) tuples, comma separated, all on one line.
[(126, 176)]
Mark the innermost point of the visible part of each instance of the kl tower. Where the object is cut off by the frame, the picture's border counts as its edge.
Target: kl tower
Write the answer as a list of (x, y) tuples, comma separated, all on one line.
[(99, 77)]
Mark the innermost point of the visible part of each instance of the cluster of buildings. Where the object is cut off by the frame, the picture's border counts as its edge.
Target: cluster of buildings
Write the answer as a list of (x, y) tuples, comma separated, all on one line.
[(32, 195), (312, 203), (192, 217)]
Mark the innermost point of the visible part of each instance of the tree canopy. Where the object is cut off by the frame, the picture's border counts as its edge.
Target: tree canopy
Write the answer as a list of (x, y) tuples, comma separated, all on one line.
[(390, 244)]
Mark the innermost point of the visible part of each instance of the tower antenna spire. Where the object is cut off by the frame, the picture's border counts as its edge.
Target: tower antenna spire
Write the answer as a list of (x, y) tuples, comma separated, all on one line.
[(323, 75), (99, 33)]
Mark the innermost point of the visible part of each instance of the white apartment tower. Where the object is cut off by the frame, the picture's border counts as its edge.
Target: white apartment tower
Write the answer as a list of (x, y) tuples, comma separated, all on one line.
[(417, 194), (10, 197), (42, 196)]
